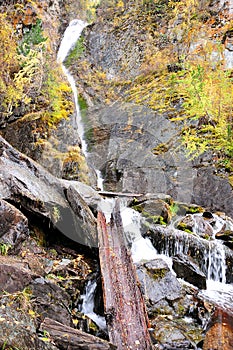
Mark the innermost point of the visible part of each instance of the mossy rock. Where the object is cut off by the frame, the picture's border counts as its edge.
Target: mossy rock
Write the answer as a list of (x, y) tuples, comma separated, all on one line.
[(156, 211), (183, 208)]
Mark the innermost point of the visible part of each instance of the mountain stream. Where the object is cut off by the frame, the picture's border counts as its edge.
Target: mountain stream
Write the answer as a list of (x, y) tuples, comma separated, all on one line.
[(214, 264)]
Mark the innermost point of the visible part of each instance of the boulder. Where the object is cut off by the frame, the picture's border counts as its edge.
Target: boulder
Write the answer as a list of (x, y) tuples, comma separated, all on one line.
[(157, 282), (15, 275), (18, 325), (154, 210), (185, 268), (30, 187), (13, 226)]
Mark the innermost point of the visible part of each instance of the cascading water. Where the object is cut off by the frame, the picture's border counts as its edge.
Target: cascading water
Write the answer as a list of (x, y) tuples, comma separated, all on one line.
[(141, 248), (71, 35), (89, 303)]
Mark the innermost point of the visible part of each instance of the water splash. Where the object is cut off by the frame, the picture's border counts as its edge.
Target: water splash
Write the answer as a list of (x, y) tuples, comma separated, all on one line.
[(89, 303), (216, 262)]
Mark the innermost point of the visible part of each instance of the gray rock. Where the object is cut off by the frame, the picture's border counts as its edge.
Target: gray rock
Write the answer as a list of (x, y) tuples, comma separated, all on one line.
[(157, 282), (49, 300), (212, 191), (27, 184), (185, 268), (18, 329), (13, 226)]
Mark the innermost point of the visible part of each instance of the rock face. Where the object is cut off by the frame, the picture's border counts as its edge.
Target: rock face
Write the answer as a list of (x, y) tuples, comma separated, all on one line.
[(30, 186), (13, 225), (132, 145)]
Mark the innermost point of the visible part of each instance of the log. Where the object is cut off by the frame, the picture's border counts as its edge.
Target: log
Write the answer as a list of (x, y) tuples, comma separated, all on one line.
[(125, 309), (119, 194), (66, 337), (219, 335)]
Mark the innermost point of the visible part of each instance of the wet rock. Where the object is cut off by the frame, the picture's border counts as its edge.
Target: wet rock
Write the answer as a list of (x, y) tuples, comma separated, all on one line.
[(225, 235), (197, 224), (185, 268), (157, 282), (156, 211), (170, 241), (13, 226)]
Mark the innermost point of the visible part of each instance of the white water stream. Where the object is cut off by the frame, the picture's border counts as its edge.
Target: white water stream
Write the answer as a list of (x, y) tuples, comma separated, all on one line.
[(70, 37), (141, 248), (88, 305)]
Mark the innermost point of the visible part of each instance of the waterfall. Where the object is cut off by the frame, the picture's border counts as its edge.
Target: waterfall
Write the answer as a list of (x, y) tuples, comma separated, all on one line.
[(216, 262), (141, 248), (89, 303), (70, 37)]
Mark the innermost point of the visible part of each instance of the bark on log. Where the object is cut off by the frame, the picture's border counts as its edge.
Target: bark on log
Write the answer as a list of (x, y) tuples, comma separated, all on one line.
[(124, 305), (73, 339), (219, 334)]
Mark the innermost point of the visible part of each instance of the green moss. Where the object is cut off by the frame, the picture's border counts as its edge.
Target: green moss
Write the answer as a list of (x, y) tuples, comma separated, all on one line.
[(137, 208), (75, 53), (184, 227), (157, 274), (174, 208), (193, 210), (154, 218)]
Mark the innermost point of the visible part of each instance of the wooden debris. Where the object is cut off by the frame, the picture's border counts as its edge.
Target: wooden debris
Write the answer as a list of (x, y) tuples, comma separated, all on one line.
[(119, 194), (69, 338), (219, 334), (124, 305)]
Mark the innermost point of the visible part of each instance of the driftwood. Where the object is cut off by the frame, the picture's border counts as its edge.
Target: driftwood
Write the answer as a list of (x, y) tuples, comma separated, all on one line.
[(119, 194), (124, 305), (73, 339), (219, 334)]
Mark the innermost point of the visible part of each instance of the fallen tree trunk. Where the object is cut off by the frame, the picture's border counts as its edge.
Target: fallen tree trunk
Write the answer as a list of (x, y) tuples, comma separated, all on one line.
[(124, 305), (69, 338)]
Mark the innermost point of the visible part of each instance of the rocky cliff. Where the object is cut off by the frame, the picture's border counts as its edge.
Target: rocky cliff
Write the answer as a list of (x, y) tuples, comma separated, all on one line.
[(155, 91)]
